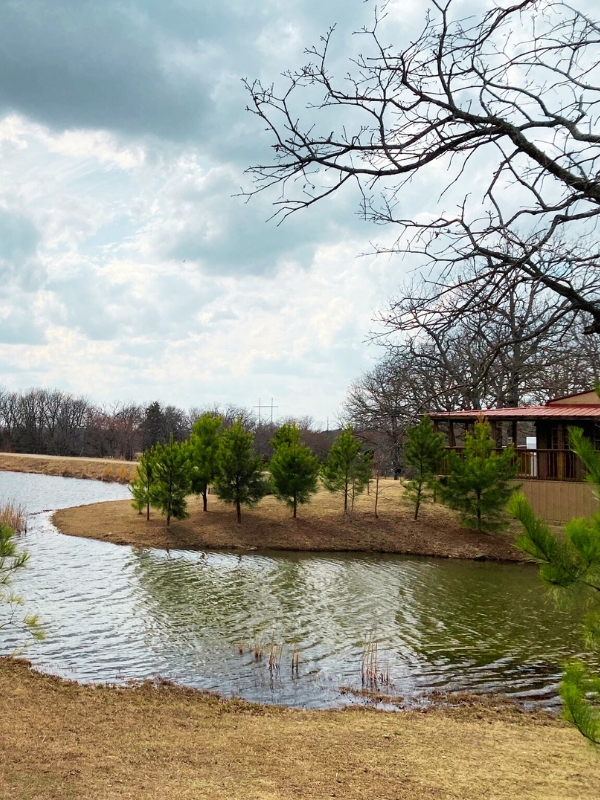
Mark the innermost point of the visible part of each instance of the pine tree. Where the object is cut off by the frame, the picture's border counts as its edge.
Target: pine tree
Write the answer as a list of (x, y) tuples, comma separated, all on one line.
[(12, 561), (294, 470), (423, 451), (347, 470), (288, 433), (172, 480), (570, 563), (142, 485), (203, 448), (479, 484), (239, 479)]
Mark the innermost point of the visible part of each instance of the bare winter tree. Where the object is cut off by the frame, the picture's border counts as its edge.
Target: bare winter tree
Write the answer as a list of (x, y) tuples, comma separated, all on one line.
[(511, 347), (519, 348), (512, 96)]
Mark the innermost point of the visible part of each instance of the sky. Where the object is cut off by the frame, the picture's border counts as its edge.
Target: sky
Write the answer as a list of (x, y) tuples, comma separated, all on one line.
[(129, 268)]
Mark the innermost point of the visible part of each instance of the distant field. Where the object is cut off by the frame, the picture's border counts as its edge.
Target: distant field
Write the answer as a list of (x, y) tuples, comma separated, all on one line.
[(99, 469)]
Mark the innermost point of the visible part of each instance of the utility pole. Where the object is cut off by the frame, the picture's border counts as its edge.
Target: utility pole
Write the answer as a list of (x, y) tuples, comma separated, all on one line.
[(260, 406)]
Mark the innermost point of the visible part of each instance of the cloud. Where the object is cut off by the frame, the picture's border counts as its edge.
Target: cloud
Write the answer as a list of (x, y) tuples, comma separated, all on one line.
[(129, 267)]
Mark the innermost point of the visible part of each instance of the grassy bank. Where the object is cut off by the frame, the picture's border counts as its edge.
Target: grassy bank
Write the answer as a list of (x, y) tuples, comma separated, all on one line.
[(320, 527), (63, 740), (99, 469)]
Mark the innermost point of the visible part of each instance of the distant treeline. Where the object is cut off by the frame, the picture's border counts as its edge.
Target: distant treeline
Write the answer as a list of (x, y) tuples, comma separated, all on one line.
[(52, 422)]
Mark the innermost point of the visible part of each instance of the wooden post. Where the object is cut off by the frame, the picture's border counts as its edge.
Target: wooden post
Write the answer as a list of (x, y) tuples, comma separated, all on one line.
[(436, 426), (560, 456), (514, 432), (451, 439), (494, 432)]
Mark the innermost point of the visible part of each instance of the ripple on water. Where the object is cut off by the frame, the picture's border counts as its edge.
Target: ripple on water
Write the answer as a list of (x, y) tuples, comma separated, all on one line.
[(115, 614)]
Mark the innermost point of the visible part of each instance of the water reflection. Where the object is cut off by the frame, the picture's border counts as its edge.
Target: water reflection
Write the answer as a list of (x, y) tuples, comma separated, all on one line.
[(113, 613)]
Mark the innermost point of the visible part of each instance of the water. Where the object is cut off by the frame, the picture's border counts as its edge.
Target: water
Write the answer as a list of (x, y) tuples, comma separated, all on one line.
[(115, 613)]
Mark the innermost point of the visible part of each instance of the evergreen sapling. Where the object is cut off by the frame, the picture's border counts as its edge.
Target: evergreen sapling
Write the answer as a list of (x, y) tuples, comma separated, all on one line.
[(347, 471), (239, 479), (570, 563), (203, 449), (294, 470), (423, 451), (172, 483), (142, 485), (478, 485)]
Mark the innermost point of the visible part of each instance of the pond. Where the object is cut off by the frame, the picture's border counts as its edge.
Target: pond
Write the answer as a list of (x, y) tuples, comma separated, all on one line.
[(114, 613)]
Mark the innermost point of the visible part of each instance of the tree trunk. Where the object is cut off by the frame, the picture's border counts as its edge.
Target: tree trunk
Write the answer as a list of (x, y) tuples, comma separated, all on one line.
[(376, 494), (147, 511), (295, 504), (238, 508), (205, 499), (418, 503), (345, 499)]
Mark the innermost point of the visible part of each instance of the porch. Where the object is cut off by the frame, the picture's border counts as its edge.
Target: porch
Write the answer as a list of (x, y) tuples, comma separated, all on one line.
[(541, 465), (551, 475)]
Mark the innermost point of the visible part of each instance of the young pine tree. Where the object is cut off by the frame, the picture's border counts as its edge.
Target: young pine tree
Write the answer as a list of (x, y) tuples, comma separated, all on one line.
[(347, 470), (571, 563), (423, 451), (294, 470), (203, 448), (239, 480), (11, 562), (142, 485), (172, 480), (479, 484)]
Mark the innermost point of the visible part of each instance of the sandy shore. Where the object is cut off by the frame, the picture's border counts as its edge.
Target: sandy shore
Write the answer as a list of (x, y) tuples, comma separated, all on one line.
[(320, 527), (64, 740)]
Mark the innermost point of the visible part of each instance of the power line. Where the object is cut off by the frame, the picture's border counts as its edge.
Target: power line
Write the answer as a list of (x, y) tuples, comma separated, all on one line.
[(260, 406)]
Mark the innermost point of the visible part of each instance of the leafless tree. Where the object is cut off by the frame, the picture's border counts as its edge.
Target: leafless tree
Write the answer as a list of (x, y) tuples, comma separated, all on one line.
[(504, 350), (502, 109), (517, 349)]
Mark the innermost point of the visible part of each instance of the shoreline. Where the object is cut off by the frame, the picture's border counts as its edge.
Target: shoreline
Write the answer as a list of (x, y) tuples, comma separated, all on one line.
[(96, 469), (158, 740), (320, 528)]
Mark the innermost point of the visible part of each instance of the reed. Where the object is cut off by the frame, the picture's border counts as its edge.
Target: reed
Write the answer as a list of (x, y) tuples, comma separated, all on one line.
[(275, 651), (295, 661), (258, 651), (372, 673), (14, 515)]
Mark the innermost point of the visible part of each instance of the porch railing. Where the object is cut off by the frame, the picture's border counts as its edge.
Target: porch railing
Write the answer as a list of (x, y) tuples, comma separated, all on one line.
[(544, 465)]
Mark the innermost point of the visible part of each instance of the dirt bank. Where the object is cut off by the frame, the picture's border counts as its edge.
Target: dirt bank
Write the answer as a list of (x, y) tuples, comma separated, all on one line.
[(63, 740), (99, 469), (320, 527)]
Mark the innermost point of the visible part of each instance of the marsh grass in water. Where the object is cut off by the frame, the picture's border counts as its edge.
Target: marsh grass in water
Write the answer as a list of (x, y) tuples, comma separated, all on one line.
[(373, 674), (14, 515)]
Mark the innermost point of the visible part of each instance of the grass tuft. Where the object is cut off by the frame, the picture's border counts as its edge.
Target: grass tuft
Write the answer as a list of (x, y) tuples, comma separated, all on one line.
[(14, 515)]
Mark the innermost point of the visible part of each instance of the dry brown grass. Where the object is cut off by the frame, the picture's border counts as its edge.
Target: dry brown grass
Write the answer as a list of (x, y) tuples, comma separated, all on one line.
[(62, 740), (14, 515), (100, 469), (320, 526)]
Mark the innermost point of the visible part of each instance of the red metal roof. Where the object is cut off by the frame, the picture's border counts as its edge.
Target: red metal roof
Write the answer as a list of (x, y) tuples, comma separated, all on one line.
[(573, 412)]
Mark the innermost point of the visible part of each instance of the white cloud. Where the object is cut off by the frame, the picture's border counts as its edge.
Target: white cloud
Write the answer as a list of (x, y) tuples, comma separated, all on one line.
[(135, 272)]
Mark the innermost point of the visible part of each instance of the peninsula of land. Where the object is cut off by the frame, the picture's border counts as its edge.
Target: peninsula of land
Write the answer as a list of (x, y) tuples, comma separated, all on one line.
[(320, 526)]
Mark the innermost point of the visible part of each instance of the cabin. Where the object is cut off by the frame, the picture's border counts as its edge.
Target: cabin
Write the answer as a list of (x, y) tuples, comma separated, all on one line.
[(551, 475)]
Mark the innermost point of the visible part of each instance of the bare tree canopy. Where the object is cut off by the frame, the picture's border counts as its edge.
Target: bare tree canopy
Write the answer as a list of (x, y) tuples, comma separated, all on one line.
[(517, 349), (502, 109)]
